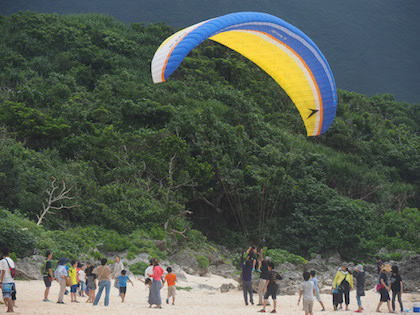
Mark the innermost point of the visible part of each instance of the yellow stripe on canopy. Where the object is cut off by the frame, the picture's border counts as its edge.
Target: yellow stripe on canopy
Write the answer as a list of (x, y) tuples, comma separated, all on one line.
[(285, 66)]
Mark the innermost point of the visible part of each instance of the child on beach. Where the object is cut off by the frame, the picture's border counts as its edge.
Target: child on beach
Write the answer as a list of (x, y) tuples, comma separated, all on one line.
[(316, 286), (81, 277), (74, 282), (122, 284), (147, 282), (307, 290), (171, 279), (252, 254)]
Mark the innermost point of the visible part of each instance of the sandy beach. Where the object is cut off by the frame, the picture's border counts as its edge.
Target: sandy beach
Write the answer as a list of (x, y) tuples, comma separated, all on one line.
[(197, 301)]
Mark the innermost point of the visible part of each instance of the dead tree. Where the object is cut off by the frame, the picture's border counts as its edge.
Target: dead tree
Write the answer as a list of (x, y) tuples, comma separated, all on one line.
[(54, 195)]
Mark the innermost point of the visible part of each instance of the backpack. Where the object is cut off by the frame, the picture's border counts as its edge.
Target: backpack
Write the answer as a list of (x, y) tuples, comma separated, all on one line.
[(12, 270)]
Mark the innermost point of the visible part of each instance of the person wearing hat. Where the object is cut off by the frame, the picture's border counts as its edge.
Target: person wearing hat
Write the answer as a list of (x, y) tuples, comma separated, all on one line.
[(343, 282), (61, 275), (359, 275), (384, 288)]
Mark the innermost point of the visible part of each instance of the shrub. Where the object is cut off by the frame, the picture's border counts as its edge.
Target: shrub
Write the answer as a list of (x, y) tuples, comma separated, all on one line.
[(279, 256), (138, 268), (203, 262), (130, 255), (19, 234)]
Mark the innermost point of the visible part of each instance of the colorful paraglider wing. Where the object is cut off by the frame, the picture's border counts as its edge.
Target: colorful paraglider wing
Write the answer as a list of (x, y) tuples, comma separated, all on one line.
[(280, 49)]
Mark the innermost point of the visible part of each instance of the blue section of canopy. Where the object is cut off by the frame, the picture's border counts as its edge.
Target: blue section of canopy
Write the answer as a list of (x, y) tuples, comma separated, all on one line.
[(277, 28)]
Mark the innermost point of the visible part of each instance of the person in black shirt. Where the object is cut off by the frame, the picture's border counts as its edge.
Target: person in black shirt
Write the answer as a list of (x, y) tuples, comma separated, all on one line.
[(271, 287), (396, 287), (384, 288), (262, 285), (48, 275)]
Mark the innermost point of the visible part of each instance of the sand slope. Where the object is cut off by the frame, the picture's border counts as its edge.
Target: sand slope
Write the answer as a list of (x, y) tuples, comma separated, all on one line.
[(198, 301)]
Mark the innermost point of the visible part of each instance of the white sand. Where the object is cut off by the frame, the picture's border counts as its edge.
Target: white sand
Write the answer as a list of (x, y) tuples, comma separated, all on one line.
[(30, 295)]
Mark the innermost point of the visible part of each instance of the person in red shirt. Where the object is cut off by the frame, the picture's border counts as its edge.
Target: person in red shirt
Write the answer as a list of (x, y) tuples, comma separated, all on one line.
[(171, 279), (154, 295)]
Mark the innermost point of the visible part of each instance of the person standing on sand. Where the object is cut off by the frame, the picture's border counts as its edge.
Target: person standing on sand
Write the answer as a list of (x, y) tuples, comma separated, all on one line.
[(60, 275), (307, 290), (74, 282), (396, 287), (91, 283), (343, 281), (384, 288), (316, 287), (104, 278), (48, 275), (359, 275), (7, 281), (246, 276), (154, 294), (271, 287), (118, 267), (262, 282)]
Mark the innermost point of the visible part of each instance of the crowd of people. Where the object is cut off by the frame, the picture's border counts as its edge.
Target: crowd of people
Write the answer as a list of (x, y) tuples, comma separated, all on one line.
[(389, 280), (88, 281)]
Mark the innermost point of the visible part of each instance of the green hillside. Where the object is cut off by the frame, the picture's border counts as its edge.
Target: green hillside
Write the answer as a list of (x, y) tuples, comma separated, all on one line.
[(218, 150)]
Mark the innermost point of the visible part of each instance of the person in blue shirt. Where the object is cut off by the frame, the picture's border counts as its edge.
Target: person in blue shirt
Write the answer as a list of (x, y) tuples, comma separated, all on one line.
[(317, 291), (246, 276), (122, 283)]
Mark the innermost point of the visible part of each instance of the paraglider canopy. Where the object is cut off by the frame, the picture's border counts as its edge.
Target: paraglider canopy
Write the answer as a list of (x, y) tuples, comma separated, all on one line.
[(277, 47)]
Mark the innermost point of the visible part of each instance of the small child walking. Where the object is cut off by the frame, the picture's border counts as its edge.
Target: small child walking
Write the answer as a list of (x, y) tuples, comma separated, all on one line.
[(171, 279), (122, 283), (307, 290), (317, 290)]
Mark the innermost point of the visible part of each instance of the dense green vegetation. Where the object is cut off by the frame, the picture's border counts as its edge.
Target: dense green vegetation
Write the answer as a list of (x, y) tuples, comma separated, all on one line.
[(219, 150)]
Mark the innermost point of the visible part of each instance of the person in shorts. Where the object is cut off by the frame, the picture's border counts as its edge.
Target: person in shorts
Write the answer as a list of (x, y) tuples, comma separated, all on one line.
[(170, 278), (271, 287), (74, 281), (7, 281), (122, 284), (307, 290), (48, 275), (384, 288), (317, 291)]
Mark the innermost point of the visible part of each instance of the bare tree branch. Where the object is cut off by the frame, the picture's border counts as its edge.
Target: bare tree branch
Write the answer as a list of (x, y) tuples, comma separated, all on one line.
[(53, 197), (180, 233)]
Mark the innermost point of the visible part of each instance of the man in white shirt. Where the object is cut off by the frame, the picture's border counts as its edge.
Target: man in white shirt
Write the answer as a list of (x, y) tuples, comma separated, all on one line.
[(6, 279)]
